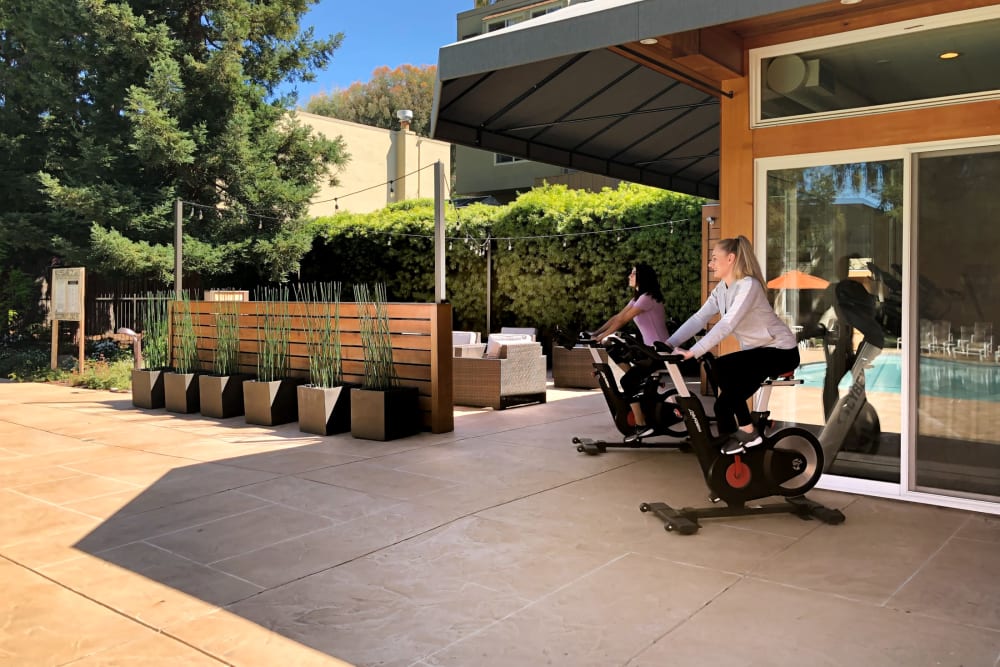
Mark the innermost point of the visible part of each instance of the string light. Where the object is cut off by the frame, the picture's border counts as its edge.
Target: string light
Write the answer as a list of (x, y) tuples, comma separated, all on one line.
[(392, 190), (473, 244), (372, 187)]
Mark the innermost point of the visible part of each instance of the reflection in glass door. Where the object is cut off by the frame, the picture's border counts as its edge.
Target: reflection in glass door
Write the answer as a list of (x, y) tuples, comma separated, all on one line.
[(834, 234), (958, 318)]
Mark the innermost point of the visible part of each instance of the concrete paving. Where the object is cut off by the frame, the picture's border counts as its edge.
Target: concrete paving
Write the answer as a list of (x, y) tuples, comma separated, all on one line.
[(132, 537)]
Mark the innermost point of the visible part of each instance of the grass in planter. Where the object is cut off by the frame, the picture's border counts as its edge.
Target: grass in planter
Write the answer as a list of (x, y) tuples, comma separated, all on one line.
[(227, 338), (380, 371), (155, 314), (186, 360), (274, 327), (323, 333)]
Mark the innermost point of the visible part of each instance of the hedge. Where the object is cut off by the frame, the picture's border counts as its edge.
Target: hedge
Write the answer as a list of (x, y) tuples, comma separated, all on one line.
[(560, 257)]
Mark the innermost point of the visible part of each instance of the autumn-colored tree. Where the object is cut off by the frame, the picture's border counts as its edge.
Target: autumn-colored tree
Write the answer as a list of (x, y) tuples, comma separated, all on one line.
[(376, 102)]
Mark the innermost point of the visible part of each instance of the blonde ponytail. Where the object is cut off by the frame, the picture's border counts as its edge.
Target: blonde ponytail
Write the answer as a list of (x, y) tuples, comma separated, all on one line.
[(746, 261)]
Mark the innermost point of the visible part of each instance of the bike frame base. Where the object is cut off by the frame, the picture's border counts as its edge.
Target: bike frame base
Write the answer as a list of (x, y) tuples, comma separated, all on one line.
[(594, 447), (685, 520)]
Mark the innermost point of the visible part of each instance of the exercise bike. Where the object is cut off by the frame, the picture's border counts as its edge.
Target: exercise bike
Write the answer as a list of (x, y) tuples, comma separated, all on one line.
[(787, 463), (660, 413)]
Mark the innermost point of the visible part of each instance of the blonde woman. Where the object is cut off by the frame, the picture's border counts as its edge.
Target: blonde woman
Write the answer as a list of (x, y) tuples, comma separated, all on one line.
[(767, 346)]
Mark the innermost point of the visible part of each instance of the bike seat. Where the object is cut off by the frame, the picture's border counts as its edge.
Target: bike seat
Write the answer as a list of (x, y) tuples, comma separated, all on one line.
[(782, 380)]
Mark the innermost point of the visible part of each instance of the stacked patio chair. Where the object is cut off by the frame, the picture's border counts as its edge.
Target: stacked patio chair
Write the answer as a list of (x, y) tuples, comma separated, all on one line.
[(976, 341)]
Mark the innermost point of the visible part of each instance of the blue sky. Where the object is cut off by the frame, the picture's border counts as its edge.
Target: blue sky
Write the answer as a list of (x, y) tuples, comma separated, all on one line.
[(390, 33)]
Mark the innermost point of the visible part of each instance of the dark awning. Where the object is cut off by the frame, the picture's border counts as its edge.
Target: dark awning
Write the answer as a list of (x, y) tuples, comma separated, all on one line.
[(550, 90)]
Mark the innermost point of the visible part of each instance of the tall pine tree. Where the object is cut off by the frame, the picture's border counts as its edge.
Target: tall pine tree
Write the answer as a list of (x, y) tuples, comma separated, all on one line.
[(111, 109)]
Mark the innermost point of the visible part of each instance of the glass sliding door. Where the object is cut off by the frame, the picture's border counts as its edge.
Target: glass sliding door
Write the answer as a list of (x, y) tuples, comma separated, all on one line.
[(834, 235), (957, 303)]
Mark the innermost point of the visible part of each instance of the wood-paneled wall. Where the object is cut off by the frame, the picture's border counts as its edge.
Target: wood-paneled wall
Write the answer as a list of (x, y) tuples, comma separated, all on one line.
[(421, 343)]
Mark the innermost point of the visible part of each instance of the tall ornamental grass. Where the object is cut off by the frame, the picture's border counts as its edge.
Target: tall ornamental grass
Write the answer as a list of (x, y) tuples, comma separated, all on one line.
[(380, 372)]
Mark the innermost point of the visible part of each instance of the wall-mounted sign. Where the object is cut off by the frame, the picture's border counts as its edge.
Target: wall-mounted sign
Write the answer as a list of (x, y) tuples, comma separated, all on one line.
[(67, 294)]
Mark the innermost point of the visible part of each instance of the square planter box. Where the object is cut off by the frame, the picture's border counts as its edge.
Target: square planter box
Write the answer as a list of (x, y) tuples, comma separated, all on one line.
[(221, 395), (385, 415), (271, 403), (324, 410), (180, 392), (147, 389)]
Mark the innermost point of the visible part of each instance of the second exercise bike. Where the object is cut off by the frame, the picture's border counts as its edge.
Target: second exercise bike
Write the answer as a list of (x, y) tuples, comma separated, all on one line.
[(787, 463)]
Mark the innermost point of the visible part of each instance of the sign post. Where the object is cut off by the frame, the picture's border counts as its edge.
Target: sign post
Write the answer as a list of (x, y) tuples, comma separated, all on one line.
[(68, 304)]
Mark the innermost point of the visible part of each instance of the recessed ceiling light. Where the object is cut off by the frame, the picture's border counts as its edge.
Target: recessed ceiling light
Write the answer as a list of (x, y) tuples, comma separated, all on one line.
[(948, 55), (648, 41)]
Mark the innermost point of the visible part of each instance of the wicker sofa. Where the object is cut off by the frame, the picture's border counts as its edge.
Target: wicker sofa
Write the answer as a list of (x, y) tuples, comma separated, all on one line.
[(575, 368), (515, 376)]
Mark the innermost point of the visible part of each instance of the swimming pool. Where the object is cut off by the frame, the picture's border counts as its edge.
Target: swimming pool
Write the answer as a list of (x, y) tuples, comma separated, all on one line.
[(938, 377)]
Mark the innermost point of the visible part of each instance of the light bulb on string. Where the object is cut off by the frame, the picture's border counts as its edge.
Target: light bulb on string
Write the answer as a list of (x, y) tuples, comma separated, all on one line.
[(510, 246), (392, 189), (390, 240), (449, 245), (336, 205), (565, 243)]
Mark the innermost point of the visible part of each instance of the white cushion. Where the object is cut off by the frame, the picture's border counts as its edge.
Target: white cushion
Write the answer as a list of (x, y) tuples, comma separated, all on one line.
[(495, 341), (464, 337), (531, 331)]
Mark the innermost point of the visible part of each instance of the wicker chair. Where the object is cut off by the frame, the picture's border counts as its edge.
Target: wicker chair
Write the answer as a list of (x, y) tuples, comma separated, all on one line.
[(466, 344), (516, 376), (574, 368)]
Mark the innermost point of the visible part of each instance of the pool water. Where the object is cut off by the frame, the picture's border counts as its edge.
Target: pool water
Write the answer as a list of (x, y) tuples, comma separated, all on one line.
[(938, 377)]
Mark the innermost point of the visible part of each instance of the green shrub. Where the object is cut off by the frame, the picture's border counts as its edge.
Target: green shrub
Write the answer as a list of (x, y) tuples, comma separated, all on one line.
[(560, 257), (104, 375), (26, 362)]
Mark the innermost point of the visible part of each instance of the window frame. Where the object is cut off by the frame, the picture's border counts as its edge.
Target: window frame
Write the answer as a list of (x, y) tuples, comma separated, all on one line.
[(758, 55)]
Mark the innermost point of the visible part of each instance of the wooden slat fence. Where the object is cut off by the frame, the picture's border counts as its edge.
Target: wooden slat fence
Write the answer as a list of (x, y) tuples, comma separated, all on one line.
[(421, 342)]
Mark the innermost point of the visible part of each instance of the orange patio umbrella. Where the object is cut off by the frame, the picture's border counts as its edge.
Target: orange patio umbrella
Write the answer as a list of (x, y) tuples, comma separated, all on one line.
[(795, 279)]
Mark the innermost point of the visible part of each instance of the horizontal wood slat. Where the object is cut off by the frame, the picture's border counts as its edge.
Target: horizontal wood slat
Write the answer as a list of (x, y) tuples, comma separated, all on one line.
[(421, 342)]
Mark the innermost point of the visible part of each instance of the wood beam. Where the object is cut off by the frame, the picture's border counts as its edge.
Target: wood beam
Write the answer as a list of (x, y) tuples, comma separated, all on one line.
[(954, 121), (714, 52), (830, 18), (657, 58)]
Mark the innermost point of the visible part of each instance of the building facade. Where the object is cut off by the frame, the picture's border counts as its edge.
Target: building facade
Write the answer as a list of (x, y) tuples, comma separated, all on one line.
[(854, 141), (385, 166)]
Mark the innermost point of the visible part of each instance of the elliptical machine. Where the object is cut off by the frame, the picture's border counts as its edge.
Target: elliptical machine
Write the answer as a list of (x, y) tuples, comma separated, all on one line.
[(852, 424), (660, 413), (787, 463)]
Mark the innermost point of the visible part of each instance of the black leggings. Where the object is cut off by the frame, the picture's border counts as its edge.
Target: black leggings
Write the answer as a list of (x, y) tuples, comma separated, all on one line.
[(634, 378), (739, 375)]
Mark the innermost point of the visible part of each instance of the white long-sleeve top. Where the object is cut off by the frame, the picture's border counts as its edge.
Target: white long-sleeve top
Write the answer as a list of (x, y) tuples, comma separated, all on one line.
[(745, 313)]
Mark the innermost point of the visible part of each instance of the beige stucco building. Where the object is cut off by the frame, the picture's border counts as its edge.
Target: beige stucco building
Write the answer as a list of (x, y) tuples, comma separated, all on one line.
[(385, 166)]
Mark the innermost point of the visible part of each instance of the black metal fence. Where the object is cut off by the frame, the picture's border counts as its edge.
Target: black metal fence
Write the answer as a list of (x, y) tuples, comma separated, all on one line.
[(108, 313)]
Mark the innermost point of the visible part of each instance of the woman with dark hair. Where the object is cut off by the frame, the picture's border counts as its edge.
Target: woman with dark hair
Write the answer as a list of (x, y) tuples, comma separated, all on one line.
[(767, 346), (646, 310)]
